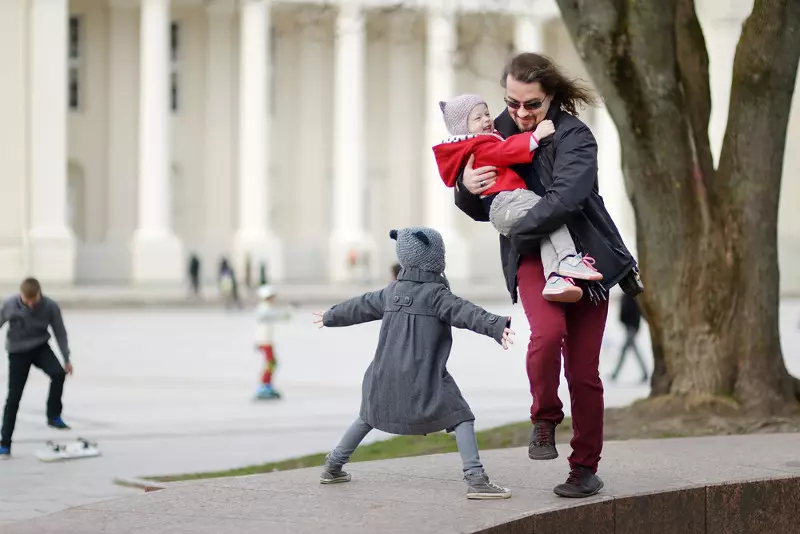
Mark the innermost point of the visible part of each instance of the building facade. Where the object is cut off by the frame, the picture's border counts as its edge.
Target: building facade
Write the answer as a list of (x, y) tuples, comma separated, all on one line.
[(293, 134)]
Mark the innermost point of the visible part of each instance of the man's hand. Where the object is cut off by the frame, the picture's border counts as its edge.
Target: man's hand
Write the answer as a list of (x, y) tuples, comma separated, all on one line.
[(318, 319), (478, 180), (68, 368), (506, 341), (544, 129)]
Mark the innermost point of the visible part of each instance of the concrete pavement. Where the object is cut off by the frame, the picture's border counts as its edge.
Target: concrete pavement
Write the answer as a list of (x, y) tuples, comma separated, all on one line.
[(171, 392), (694, 485)]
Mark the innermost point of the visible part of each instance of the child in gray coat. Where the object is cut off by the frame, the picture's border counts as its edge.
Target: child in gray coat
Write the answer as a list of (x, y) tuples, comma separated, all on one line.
[(406, 388)]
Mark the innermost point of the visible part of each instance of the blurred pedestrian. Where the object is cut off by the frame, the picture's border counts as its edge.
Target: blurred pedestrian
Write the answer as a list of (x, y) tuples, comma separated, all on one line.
[(266, 317), (631, 317), (228, 287), (194, 274), (29, 315), (248, 271)]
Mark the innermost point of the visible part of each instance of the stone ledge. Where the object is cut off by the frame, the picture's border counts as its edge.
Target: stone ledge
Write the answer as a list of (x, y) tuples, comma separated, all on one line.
[(141, 483), (763, 506), (731, 484)]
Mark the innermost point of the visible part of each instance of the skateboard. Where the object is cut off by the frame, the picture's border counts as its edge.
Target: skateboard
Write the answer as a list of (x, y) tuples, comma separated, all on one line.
[(56, 452)]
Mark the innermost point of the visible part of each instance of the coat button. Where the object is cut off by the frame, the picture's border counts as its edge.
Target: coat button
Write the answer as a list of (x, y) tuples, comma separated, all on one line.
[(396, 298), (407, 300), (492, 319)]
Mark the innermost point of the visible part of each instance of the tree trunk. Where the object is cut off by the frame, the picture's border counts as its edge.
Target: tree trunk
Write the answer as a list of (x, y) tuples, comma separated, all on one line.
[(707, 237)]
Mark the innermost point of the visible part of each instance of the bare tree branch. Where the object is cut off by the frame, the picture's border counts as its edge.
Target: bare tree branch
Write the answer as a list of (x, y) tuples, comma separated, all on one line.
[(692, 57), (595, 28), (764, 74)]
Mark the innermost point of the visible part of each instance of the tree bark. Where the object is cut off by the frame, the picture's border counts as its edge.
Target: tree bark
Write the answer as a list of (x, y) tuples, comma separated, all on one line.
[(707, 237)]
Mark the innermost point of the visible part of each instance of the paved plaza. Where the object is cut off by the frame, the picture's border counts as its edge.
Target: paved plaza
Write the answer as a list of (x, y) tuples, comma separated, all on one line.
[(710, 485), (170, 391)]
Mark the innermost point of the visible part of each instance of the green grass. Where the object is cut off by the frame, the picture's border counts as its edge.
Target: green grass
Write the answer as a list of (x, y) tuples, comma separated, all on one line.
[(512, 435)]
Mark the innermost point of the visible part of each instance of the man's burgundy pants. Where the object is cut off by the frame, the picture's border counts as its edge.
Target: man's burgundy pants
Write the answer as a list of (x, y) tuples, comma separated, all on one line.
[(578, 330)]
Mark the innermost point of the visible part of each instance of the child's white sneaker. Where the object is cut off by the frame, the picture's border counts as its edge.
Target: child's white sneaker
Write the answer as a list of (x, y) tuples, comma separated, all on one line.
[(580, 267), (560, 289), (480, 487), (333, 474)]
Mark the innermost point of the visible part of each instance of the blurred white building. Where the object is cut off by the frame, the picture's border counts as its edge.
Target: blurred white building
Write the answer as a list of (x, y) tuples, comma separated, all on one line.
[(134, 132)]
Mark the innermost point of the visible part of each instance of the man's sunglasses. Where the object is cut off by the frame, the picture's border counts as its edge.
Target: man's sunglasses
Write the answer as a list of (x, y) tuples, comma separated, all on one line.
[(530, 105)]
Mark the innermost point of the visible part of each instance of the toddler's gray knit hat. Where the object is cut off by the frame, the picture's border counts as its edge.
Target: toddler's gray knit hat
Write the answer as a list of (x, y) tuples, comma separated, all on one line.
[(420, 247), (456, 111)]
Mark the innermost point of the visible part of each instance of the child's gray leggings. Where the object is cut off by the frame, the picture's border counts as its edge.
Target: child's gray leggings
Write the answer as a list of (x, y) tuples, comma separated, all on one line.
[(465, 439)]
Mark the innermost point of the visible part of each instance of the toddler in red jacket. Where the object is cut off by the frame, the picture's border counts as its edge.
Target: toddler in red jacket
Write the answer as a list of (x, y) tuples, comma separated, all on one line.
[(472, 132)]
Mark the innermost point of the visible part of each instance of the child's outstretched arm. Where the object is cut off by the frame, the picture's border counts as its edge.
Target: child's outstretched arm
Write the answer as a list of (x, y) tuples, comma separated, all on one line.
[(516, 149), (461, 313), (367, 307)]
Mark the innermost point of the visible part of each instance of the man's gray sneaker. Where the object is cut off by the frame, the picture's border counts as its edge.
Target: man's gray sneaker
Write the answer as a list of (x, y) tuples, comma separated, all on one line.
[(543, 441), (333, 474), (479, 487)]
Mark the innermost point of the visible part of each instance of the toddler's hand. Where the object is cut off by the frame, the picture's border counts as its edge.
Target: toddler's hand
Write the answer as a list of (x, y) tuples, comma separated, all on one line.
[(506, 341), (544, 129), (318, 320)]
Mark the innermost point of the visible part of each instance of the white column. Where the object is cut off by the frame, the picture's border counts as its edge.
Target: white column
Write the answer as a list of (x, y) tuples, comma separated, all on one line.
[(220, 120), (528, 34), (255, 237), (611, 178), (404, 164), (158, 255), (529, 24), (14, 142), (440, 209), (51, 242), (349, 235)]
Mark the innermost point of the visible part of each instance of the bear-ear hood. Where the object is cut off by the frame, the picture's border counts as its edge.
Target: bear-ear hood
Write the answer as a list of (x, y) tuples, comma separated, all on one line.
[(420, 247)]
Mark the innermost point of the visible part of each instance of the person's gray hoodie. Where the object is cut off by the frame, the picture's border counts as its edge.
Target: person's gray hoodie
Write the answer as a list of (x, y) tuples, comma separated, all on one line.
[(27, 327)]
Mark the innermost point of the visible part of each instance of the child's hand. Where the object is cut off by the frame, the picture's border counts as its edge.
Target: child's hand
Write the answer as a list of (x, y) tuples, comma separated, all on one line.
[(506, 341), (318, 320), (544, 129)]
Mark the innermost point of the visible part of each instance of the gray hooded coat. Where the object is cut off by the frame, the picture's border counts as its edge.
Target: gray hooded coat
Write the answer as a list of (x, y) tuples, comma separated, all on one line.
[(407, 389)]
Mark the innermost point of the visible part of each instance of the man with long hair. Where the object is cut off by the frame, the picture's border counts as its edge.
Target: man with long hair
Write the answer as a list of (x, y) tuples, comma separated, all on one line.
[(564, 174), (29, 315)]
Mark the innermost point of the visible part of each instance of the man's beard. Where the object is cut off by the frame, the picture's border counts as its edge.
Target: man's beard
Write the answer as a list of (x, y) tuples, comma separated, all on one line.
[(529, 127)]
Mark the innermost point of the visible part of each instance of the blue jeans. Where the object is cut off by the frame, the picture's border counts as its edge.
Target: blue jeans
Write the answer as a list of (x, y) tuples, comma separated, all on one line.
[(465, 440)]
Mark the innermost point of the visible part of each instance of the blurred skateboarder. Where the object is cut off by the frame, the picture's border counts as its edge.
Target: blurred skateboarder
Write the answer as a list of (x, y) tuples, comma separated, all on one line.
[(29, 315)]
